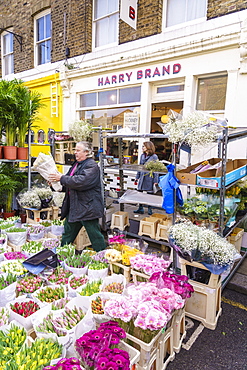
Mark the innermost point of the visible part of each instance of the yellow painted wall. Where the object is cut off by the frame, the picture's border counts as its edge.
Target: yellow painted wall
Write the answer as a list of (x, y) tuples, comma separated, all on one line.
[(46, 119)]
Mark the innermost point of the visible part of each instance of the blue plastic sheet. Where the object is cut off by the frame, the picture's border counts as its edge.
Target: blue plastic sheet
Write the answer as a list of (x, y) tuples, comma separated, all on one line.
[(168, 183)]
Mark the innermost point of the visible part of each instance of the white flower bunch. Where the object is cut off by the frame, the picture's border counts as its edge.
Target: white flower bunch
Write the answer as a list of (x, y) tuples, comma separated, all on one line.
[(112, 255), (81, 130), (58, 198), (29, 199), (190, 237), (195, 129), (43, 192)]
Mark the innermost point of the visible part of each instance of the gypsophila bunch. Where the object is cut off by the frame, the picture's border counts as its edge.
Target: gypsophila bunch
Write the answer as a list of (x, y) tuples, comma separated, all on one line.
[(29, 199), (58, 199), (81, 130), (45, 193), (194, 129)]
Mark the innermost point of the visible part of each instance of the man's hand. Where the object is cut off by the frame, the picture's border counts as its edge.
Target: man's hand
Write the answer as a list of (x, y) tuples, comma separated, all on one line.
[(55, 177)]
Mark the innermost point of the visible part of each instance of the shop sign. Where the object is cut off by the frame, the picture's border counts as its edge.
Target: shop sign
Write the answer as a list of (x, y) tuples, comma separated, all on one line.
[(140, 74), (131, 121), (128, 12)]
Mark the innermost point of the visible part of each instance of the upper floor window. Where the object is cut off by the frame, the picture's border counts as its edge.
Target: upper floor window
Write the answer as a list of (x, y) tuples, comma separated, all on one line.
[(105, 22), (42, 39), (7, 53), (181, 11), (211, 93)]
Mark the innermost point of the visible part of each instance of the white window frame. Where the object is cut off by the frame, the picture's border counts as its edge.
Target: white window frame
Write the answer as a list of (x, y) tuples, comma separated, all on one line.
[(180, 25), (4, 56), (94, 47), (36, 43)]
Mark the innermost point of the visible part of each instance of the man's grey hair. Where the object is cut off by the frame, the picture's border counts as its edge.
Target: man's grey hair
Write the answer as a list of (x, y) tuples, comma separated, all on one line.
[(87, 147)]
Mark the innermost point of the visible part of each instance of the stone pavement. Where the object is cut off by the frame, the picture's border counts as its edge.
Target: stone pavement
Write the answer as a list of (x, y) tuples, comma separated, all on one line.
[(239, 280)]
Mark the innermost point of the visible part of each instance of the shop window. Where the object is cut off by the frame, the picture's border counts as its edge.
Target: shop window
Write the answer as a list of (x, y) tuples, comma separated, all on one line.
[(42, 29), (129, 95), (41, 136), (181, 11), (31, 137), (105, 22), (7, 53), (88, 100), (168, 89), (211, 95), (108, 97)]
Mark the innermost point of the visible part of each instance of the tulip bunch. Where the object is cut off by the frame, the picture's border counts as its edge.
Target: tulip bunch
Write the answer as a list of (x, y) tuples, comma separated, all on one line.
[(75, 282), (100, 256), (14, 255), (97, 265), (10, 343), (88, 252), (58, 222), (60, 304), (50, 294), (4, 316), (47, 326), (46, 223), (35, 357), (69, 318), (78, 261), (16, 230), (6, 225), (59, 276), (29, 284), (7, 280), (91, 288), (25, 309), (32, 247), (14, 267), (114, 288), (3, 238), (51, 243), (65, 251), (97, 306), (71, 363), (2, 249), (35, 229)]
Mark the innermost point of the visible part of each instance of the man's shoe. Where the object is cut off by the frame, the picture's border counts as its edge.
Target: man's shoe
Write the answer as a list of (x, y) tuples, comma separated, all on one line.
[(140, 211), (150, 212)]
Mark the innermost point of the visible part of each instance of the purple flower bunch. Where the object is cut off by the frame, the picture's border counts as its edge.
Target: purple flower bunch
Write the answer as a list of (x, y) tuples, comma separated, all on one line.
[(117, 239), (14, 255), (177, 283), (51, 243), (100, 257), (149, 263), (94, 348), (35, 229), (71, 363)]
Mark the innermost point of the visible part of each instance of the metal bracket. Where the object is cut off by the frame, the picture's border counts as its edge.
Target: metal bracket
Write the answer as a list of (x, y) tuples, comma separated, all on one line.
[(18, 38)]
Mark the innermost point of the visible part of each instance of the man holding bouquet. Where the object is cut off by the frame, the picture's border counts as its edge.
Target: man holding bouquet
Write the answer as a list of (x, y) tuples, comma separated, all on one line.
[(83, 202)]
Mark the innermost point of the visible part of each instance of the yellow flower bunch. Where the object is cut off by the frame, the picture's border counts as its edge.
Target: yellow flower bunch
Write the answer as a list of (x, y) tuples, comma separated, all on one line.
[(129, 252), (113, 255)]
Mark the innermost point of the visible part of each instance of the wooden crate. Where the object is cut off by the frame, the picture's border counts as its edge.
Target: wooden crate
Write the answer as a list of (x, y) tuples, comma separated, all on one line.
[(82, 240), (118, 268), (138, 276)]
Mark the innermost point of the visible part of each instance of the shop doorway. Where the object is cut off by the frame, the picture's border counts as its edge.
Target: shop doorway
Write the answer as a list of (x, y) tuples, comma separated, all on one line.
[(162, 146)]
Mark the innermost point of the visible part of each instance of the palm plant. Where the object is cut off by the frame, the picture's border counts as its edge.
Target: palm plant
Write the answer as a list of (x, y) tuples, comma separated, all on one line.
[(7, 120)]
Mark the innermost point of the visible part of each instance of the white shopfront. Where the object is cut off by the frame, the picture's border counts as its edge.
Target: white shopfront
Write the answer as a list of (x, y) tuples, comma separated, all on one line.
[(204, 70)]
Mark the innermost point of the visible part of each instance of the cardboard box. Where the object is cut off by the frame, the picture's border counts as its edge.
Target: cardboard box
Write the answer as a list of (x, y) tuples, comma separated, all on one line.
[(185, 177), (235, 170)]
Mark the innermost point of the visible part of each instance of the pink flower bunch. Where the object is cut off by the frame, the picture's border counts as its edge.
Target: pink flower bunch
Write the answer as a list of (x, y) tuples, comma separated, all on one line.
[(14, 255), (59, 276), (29, 284), (117, 239), (177, 283), (71, 363), (94, 348), (149, 263), (148, 306)]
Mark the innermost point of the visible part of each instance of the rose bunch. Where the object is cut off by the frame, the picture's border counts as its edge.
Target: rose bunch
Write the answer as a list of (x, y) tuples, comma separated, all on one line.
[(7, 280), (69, 318), (29, 284), (91, 288), (60, 304), (149, 263), (59, 276), (76, 282), (71, 363), (25, 309), (35, 357), (50, 294), (4, 316), (10, 343), (13, 267), (14, 255)]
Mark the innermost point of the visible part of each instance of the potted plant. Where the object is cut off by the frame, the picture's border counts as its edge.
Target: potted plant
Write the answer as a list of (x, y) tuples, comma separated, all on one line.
[(11, 180)]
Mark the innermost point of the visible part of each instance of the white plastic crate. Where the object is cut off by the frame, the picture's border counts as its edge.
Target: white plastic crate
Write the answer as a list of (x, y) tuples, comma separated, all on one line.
[(179, 332), (138, 276), (118, 268)]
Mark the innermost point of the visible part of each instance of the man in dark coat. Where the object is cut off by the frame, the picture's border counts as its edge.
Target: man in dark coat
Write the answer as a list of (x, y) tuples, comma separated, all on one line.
[(83, 202)]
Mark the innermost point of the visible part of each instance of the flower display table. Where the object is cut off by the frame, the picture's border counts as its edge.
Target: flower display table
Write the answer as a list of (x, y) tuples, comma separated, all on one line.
[(119, 268), (138, 276)]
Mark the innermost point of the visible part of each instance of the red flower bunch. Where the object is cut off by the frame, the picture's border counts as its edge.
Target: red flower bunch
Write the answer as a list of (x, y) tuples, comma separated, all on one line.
[(25, 309)]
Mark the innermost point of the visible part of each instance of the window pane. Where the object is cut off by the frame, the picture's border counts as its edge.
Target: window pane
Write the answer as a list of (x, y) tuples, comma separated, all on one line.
[(195, 9), (8, 43), (107, 97), (166, 89), (211, 93), (9, 64), (40, 29), (88, 100), (130, 95), (104, 7), (48, 51), (180, 11), (112, 30), (48, 25)]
